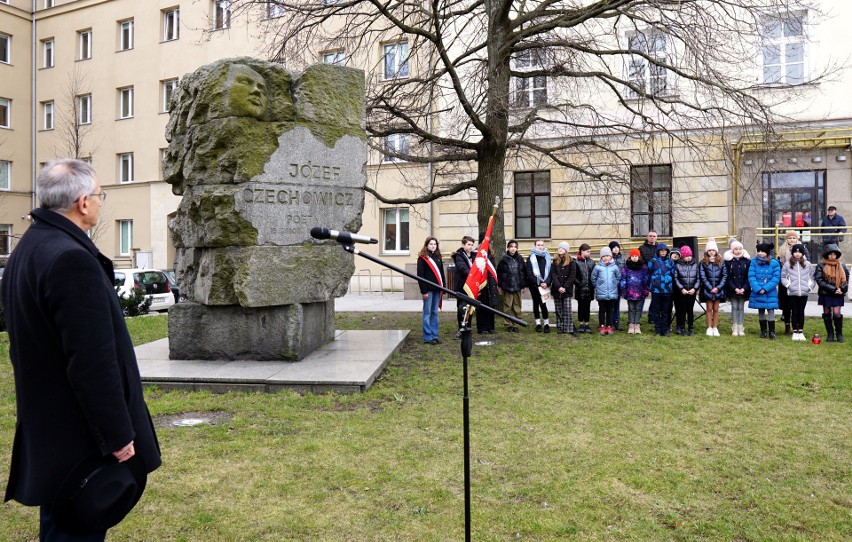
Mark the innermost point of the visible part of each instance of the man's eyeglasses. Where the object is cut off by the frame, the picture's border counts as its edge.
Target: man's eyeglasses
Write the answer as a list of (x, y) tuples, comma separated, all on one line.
[(101, 195)]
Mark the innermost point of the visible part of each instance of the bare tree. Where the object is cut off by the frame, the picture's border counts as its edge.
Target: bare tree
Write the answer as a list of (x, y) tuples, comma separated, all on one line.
[(73, 134), (591, 86)]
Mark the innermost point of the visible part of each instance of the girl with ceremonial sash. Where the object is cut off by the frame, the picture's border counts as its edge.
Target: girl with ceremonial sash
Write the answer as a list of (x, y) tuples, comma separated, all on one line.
[(430, 267)]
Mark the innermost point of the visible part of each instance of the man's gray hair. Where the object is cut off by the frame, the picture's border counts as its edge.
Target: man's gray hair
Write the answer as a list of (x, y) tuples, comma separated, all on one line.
[(62, 182)]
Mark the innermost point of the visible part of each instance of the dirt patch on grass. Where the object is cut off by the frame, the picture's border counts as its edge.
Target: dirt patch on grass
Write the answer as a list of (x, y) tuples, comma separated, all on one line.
[(193, 418)]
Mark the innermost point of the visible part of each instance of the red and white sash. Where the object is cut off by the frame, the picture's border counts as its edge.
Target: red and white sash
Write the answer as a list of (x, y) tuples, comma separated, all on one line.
[(438, 280)]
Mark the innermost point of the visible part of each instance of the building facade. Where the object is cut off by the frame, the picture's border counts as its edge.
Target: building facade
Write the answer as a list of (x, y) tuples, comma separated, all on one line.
[(93, 79)]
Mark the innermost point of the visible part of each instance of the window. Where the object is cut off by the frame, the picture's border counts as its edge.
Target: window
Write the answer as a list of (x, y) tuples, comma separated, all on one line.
[(125, 167), (168, 86), (395, 230), (125, 103), (171, 24), (274, 9), (47, 114), (125, 237), (529, 91), (395, 60), (5, 49), (5, 238), (84, 39), (644, 76), (336, 58), (5, 174), (84, 109), (651, 200), (532, 205), (5, 113), (395, 144), (47, 50), (125, 35), (221, 14), (783, 49)]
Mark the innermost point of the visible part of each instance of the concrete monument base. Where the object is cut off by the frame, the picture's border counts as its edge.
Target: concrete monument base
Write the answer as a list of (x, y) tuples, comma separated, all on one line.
[(350, 363), (231, 332)]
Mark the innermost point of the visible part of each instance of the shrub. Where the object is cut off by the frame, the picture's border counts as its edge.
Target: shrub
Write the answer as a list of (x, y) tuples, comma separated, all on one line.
[(135, 304)]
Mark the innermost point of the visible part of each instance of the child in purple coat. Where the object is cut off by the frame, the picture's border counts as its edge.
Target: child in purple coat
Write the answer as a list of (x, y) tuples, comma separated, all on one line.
[(634, 288)]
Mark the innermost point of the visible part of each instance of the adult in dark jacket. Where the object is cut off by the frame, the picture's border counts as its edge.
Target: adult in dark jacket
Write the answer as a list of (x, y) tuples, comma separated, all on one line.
[(431, 268), (833, 220), (462, 261), (511, 279), (77, 383), (563, 272)]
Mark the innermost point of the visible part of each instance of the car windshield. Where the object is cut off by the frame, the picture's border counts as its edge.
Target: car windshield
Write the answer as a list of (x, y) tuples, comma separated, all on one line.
[(119, 279), (151, 282)]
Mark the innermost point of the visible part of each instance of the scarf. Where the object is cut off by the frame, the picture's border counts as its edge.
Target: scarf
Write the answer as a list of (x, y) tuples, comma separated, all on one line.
[(534, 255), (833, 273)]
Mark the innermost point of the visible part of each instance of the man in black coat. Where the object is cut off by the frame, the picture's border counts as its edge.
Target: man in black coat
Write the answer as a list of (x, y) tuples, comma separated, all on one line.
[(648, 250), (77, 384), (462, 261)]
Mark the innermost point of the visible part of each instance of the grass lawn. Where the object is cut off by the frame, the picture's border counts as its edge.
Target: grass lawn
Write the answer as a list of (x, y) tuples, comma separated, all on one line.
[(598, 438)]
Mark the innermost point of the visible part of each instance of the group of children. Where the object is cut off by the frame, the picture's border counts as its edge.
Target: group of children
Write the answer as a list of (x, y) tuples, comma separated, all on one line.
[(673, 278)]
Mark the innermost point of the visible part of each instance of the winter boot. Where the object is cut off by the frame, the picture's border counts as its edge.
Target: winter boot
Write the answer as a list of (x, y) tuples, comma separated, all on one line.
[(762, 329), (829, 328), (772, 329), (786, 328), (838, 328)]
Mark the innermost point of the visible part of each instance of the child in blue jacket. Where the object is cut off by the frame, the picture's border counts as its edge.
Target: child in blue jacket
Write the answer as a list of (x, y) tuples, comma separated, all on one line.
[(605, 277), (661, 270), (764, 274)]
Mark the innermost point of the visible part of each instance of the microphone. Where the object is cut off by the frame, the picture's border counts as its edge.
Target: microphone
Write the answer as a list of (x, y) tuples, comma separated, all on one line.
[(342, 236)]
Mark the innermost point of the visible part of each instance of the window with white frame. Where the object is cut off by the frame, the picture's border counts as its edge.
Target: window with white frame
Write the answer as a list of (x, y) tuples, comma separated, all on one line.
[(5, 48), (47, 115), (274, 10), (125, 35), (395, 144), (125, 102), (5, 174), (646, 71), (171, 24), (395, 60), (5, 113), (783, 49), (84, 109), (84, 44), (221, 14), (125, 167), (395, 230), (5, 238), (168, 87), (335, 58), (529, 91), (47, 53), (125, 237)]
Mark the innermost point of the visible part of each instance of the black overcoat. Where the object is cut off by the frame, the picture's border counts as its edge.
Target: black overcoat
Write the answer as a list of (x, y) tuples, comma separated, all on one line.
[(77, 384)]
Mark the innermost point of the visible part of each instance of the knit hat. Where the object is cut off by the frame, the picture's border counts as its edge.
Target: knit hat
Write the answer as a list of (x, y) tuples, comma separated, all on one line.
[(613, 244), (765, 247), (605, 251), (711, 245), (565, 246), (731, 242), (635, 252), (685, 251), (798, 247), (735, 244), (791, 233), (674, 251)]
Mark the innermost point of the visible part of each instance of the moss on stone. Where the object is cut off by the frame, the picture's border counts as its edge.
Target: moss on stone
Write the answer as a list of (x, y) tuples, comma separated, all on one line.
[(330, 103)]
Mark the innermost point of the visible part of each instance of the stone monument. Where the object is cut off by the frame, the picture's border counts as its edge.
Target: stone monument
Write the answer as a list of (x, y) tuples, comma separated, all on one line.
[(260, 157)]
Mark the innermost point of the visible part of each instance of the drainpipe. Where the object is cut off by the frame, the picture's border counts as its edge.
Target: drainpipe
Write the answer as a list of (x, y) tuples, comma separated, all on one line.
[(34, 112)]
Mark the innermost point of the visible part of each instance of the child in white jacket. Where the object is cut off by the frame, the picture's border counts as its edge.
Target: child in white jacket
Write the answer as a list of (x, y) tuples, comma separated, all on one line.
[(797, 276)]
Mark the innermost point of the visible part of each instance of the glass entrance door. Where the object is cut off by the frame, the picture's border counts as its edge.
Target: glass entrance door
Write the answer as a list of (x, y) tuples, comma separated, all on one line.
[(794, 201)]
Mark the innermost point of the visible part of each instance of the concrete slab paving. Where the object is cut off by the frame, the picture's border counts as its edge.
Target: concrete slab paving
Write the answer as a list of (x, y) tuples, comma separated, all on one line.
[(350, 363)]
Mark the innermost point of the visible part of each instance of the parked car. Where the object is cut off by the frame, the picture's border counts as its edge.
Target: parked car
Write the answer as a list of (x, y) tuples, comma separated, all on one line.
[(170, 273), (154, 283)]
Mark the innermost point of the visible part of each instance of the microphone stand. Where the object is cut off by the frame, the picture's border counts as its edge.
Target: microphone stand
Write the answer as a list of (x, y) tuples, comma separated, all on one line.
[(466, 351)]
